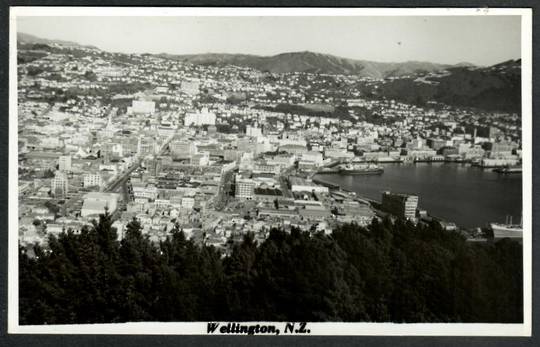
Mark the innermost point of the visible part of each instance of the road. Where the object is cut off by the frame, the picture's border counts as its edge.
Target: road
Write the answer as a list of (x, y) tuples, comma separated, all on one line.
[(121, 179), (112, 187), (117, 183)]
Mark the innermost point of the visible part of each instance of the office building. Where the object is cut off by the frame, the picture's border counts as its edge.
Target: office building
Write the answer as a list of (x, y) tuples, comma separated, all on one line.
[(59, 185), (92, 180), (201, 118), (245, 188), (182, 149), (143, 107), (400, 205), (253, 131), (64, 163)]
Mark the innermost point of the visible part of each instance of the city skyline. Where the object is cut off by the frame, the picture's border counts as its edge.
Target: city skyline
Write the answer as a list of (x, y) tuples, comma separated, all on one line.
[(444, 40)]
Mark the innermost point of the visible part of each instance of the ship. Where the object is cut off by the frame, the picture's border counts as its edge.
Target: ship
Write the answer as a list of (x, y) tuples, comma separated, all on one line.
[(509, 170), (360, 169), (507, 230)]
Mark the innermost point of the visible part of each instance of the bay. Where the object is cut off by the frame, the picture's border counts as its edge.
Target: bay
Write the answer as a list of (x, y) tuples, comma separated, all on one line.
[(468, 196)]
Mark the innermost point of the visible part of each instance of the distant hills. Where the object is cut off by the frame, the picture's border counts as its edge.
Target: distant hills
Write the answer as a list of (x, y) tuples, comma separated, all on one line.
[(496, 87), (493, 88), (312, 62), (287, 62), (27, 38)]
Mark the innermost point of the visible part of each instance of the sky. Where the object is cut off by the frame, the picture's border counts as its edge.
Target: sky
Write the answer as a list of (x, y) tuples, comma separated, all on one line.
[(480, 40)]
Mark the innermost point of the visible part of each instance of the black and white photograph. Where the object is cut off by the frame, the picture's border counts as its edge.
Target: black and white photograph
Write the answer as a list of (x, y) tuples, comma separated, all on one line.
[(270, 171)]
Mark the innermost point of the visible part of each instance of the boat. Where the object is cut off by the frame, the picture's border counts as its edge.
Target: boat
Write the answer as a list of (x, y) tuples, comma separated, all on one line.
[(507, 230), (360, 169), (453, 158), (501, 231), (508, 170)]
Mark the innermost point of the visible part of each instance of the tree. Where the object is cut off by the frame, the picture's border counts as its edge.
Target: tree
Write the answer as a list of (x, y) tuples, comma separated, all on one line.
[(34, 71), (239, 275), (90, 76), (388, 271), (48, 173)]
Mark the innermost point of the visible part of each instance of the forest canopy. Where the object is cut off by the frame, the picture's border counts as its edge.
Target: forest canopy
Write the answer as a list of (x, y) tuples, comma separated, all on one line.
[(388, 271)]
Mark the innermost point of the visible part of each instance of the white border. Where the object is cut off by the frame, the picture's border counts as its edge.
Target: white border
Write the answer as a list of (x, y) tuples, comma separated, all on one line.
[(258, 11), (200, 328)]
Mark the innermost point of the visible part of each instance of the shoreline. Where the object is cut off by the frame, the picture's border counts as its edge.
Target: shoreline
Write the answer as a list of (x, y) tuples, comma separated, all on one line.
[(339, 187)]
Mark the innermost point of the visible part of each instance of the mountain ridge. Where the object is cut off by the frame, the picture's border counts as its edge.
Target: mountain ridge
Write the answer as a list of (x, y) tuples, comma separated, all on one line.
[(28, 38), (495, 87), (307, 61), (287, 62)]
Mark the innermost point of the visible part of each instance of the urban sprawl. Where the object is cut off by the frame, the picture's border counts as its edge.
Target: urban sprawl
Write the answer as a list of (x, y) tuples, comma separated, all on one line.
[(220, 151)]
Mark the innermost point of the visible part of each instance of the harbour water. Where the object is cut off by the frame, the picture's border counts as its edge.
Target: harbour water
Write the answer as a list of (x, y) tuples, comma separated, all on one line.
[(469, 196)]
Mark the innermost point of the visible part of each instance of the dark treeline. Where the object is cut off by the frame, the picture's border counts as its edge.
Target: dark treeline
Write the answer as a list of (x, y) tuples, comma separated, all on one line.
[(387, 272)]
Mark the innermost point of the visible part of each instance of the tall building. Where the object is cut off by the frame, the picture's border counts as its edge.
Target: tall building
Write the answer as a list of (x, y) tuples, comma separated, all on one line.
[(200, 159), (489, 132), (147, 146), (129, 146), (202, 118), (416, 143), (253, 131), (245, 188), (497, 147), (142, 107), (188, 203), (245, 144), (401, 205), (92, 180), (64, 163), (436, 143), (59, 184), (182, 149)]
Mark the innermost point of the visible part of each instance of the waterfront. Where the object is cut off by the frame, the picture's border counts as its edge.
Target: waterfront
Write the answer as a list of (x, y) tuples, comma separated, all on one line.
[(468, 196)]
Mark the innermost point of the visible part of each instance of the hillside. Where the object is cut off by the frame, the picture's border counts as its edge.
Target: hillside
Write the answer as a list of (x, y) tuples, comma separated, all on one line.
[(312, 62), (495, 88), (31, 39)]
